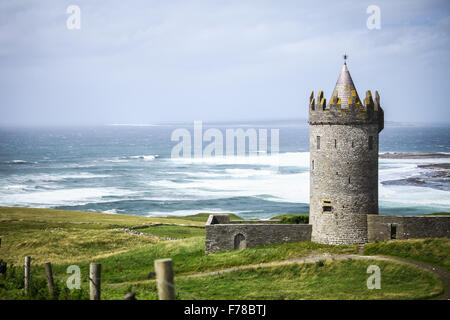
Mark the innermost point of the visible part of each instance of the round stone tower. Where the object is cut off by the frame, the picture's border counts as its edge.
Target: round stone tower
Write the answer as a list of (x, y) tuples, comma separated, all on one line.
[(343, 163)]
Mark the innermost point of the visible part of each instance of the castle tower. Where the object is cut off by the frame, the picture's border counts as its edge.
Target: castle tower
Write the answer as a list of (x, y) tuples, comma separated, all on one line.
[(343, 162)]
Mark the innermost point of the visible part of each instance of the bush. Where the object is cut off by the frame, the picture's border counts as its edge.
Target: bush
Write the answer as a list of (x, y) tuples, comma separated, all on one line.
[(14, 279), (13, 287)]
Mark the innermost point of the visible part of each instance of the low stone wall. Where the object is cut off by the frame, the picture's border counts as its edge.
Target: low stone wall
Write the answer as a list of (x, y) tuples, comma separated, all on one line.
[(254, 221), (222, 235), (407, 227)]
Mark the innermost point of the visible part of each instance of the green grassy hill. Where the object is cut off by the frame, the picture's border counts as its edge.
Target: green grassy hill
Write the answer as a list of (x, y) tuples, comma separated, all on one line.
[(70, 237)]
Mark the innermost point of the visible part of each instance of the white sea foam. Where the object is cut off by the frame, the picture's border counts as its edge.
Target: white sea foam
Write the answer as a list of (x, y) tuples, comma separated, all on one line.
[(144, 157), (245, 173), (116, 160), (29, 184), (181, 213), (199, 174), (112, 211), (16, 162), (409, 196), (58, 177), (172, 198), (150, 157), (300, 159), (211, 180), (277, 187), (74, 165), (15, 187), (76, 196), (412, 196), (230, 173), (394, 169), (294, 187)]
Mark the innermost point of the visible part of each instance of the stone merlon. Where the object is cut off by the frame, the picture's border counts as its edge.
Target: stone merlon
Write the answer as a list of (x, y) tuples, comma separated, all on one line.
[(344, 106)]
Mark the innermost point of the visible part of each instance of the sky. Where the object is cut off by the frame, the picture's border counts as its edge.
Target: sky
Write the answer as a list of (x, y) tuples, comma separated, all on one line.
[(143, 61)]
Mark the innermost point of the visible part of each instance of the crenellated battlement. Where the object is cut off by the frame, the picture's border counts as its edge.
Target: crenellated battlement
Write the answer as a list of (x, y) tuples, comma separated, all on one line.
[(347, 112)]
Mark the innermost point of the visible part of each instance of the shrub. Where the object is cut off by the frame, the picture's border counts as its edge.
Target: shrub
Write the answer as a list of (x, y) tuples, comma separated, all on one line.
[(13, 287), (294, 219)]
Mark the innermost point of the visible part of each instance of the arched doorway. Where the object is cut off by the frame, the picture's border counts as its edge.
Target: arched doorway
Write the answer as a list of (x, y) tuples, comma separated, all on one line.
[(239, 241)]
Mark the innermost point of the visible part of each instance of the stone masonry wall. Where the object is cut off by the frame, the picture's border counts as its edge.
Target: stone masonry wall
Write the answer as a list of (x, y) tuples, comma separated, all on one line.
[(407, 227), (230, 236), (343, 180)]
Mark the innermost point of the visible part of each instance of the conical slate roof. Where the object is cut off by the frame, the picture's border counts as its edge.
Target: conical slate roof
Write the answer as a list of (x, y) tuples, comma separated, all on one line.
[(345, 88)]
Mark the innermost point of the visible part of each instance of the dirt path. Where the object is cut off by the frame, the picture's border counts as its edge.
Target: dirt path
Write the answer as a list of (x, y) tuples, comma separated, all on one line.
[(444, 275)]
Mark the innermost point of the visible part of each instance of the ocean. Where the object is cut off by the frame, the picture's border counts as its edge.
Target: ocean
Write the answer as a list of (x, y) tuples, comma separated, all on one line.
[(128, 169)]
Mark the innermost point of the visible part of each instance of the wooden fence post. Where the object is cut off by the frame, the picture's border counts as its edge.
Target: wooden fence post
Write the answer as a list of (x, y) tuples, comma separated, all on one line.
[(94, 279), (3, 268), (164, 279), (27, 275), (49, 275), (130, 296), (3, 264)]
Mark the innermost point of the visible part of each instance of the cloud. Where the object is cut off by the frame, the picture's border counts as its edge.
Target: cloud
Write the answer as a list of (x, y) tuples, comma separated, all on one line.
[(228, 59)]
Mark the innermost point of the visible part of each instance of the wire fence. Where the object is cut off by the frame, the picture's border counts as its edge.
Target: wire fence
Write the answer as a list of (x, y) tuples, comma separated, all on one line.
[(163, 277)]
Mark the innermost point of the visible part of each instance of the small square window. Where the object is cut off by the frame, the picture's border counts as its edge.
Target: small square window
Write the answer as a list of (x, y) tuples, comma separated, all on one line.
[(326, 206)]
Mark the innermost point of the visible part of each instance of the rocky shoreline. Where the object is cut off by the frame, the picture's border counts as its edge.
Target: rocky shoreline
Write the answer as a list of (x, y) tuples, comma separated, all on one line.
[(436, 166), (414, 155), (436, 175)]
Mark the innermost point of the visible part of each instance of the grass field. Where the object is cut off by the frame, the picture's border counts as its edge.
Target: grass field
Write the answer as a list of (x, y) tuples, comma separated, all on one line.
[(332, 280), (432, 251), (69, 237), (177, 232), (95, 219)]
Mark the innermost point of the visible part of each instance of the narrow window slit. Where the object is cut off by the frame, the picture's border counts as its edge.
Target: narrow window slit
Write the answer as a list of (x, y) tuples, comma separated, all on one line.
[(393, 231)]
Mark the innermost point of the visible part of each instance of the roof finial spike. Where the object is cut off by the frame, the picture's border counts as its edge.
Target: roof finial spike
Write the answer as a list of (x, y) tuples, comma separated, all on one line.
[(345, 56)]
